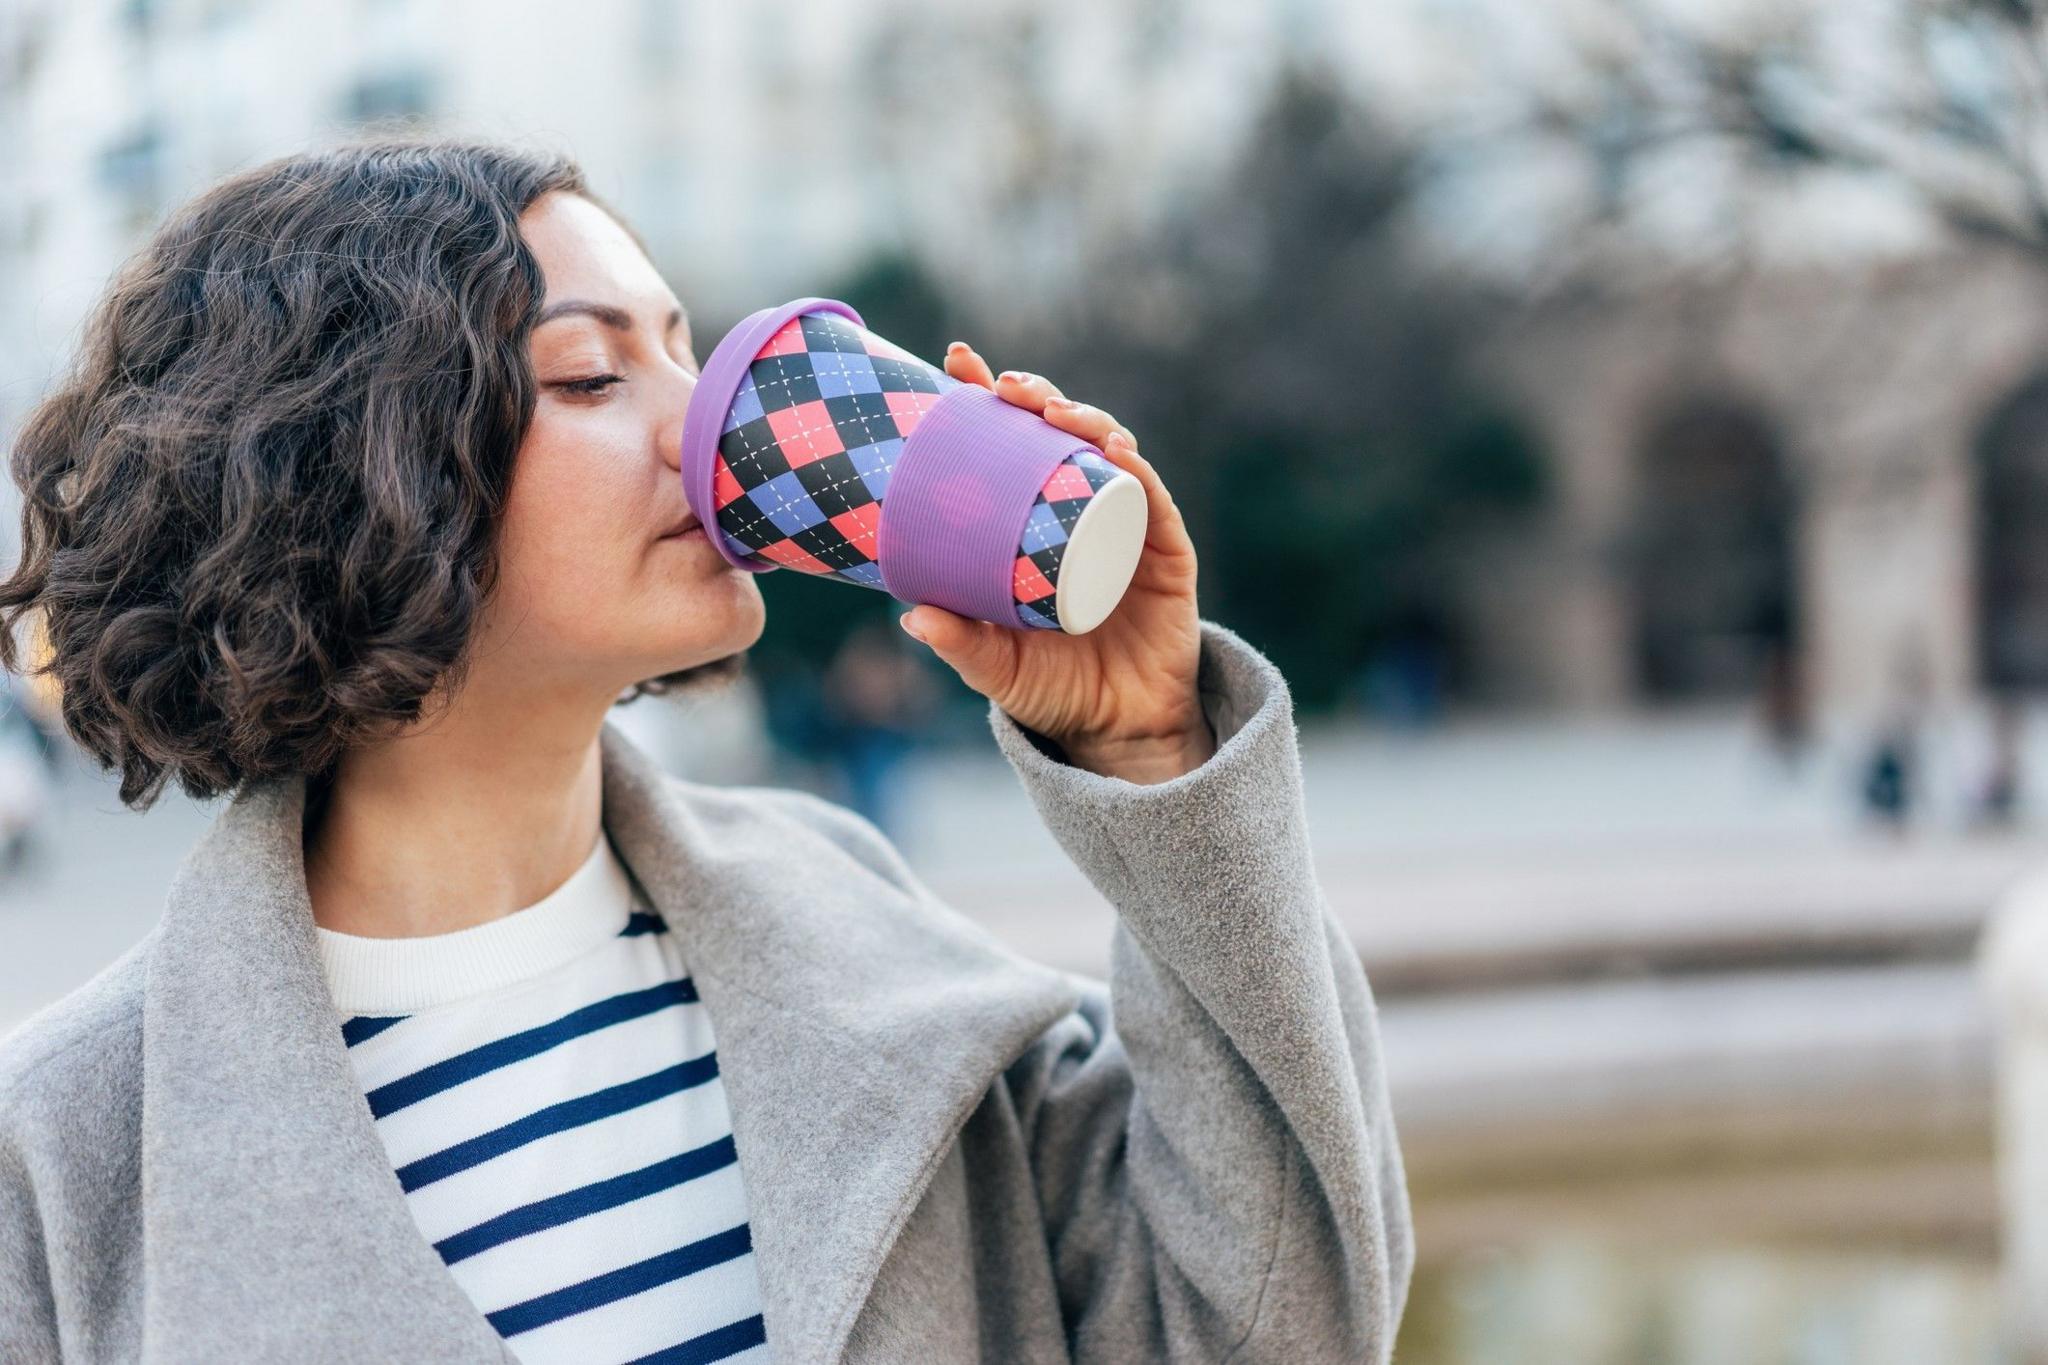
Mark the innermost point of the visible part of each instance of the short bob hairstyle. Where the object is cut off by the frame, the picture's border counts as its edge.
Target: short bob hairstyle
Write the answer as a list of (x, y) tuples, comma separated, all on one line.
[(260, 511)]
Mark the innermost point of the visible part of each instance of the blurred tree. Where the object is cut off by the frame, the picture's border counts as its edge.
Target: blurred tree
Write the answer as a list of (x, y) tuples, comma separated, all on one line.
[(1302, 384), (897, 298), (1304, 387), (1940, 104)]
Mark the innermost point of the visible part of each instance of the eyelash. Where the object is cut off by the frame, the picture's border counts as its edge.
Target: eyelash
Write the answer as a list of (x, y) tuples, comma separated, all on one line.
[(597, 383), (593, 385)]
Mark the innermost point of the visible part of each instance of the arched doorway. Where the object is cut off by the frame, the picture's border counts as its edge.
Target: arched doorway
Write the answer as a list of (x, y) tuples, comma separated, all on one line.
[(2012, 541), (1713, 558)]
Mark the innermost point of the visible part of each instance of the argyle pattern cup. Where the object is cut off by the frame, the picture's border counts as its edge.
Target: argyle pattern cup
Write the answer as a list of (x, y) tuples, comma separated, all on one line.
[(812, 443)]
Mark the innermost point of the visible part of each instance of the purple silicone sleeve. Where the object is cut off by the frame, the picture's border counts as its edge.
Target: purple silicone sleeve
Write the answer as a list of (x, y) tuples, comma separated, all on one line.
[(958, 499)]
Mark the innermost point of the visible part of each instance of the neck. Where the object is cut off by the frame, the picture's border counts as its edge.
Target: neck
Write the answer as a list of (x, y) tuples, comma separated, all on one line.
[(462, 819)]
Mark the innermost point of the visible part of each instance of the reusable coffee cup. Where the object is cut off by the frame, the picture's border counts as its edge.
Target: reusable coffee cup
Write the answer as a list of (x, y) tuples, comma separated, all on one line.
[(813, 444)]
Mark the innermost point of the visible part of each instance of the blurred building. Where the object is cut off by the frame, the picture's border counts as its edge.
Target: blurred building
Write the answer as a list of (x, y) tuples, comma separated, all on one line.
[(1846, 464), (1796, 417), (759, 150)]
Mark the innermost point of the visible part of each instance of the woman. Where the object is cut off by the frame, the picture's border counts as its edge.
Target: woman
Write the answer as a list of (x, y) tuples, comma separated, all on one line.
[(357, 509)]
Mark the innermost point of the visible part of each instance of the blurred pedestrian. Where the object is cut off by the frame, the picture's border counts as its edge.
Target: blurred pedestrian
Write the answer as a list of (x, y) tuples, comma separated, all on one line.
[(1890, 773), (26, 791), (877, 696), (1888, 778), (1782, 703), (1995, 802)]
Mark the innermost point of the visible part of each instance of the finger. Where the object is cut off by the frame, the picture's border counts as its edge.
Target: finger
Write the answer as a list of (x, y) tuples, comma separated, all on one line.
[(1025, 389), (981, 652), (1085, 420), (964, 363), (1163, 519)]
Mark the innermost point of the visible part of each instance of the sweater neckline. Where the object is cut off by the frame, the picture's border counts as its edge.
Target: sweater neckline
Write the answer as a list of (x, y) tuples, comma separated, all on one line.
[(404, 975)]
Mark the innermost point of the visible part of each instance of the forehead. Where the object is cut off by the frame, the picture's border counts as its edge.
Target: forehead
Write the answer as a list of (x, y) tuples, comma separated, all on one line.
[(584, 253)]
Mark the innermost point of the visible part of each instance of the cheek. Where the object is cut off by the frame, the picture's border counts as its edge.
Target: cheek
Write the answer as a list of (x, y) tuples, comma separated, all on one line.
[(568, 531)]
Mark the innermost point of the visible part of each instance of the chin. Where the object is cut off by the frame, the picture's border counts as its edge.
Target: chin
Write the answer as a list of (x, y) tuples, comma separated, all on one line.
[(706, 662)]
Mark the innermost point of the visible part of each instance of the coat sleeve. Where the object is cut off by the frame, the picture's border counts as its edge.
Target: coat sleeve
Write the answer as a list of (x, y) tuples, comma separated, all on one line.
[(1211, 1137)]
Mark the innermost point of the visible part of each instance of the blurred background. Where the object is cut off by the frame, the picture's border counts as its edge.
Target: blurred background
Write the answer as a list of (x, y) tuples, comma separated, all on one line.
[(1625, 424)]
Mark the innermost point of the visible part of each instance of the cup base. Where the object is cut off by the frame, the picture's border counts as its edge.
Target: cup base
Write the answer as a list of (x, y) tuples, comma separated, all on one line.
[(1101, 555)]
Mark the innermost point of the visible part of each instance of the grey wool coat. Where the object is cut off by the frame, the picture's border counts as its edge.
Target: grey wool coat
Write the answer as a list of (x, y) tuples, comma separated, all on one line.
[(950, 1153)]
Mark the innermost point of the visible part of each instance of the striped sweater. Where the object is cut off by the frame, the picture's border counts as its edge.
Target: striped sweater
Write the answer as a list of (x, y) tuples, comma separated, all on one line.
[(547, 1088)]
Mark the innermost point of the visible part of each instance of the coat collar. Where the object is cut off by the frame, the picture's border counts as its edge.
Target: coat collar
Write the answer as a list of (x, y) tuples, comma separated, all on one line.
[(857, 1028)]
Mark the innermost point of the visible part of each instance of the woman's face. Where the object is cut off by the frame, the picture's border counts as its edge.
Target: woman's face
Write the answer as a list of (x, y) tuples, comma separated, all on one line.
[(591, 590)]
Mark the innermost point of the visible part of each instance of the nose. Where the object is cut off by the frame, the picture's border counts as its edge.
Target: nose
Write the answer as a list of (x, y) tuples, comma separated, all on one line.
[(676, 401)]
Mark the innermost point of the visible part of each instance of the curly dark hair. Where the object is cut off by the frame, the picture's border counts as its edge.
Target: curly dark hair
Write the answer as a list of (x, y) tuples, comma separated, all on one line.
[(260, 511)]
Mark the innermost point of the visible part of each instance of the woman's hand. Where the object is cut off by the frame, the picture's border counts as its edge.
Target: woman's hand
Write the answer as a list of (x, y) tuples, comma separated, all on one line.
[(1121, 700)]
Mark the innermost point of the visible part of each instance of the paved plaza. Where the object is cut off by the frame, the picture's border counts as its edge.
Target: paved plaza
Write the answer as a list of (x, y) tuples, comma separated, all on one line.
[(1456, 860)]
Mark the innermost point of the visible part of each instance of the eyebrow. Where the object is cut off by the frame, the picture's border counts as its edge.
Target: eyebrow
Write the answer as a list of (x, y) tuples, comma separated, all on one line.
[(617, 318)]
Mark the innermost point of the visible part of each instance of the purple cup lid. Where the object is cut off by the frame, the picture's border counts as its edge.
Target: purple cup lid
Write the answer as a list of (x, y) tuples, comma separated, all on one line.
[(711, 401)]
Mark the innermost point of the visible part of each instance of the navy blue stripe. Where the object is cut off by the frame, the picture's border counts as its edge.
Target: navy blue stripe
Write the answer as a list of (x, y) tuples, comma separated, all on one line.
[(641, 923), (364, 1027), (557, 1118), (580, 1203), (517, 1047), (714, 1345), (624, 1282)]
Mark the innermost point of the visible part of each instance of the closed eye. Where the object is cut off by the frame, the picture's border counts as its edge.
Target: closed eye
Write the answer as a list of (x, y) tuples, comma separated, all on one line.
[(594, 384)]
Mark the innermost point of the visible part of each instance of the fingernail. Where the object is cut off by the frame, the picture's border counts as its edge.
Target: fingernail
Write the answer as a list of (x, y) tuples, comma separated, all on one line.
[(1011, 374), (909, 629)]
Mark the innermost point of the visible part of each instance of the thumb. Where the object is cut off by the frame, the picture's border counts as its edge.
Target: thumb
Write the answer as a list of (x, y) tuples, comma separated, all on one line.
[(973, 648)]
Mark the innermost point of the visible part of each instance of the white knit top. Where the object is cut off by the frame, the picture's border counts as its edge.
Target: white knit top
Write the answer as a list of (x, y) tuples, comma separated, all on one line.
[(547, 1088)]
